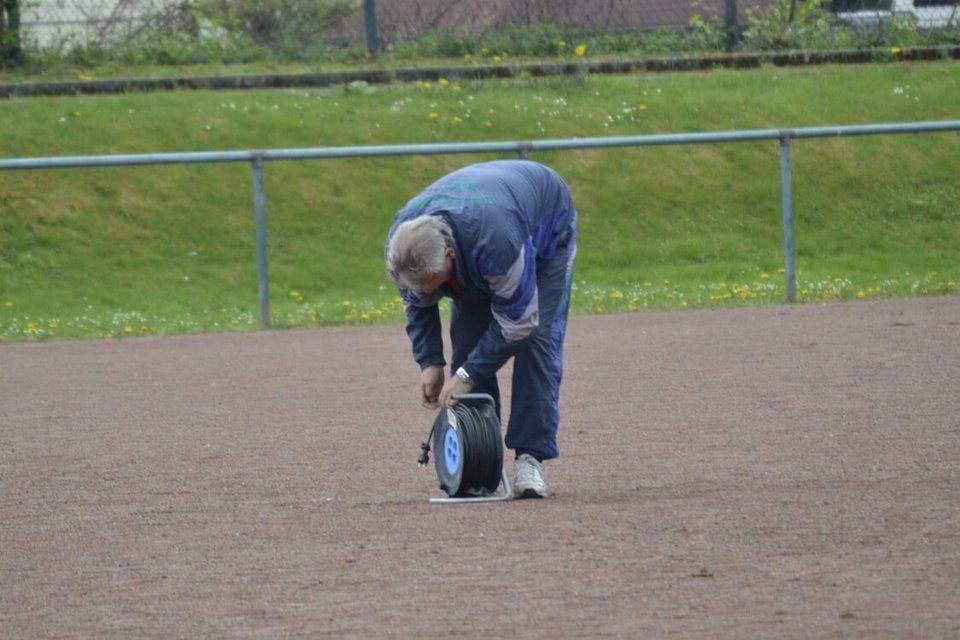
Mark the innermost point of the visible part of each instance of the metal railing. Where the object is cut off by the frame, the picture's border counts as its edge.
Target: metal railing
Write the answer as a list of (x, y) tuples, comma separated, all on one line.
[(523, 149)]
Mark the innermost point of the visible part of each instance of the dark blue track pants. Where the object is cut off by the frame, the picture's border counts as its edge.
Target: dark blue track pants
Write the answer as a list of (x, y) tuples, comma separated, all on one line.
[(537, 365)]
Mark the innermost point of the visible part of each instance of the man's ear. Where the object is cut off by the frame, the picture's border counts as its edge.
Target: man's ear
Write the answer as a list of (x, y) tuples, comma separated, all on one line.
[(450, 253)]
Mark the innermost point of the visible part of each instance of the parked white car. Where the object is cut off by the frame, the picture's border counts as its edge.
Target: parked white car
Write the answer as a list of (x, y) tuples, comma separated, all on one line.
[(926, 14)]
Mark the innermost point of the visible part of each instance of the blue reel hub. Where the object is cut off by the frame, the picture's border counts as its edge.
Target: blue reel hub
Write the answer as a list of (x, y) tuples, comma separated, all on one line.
[(451, 450)]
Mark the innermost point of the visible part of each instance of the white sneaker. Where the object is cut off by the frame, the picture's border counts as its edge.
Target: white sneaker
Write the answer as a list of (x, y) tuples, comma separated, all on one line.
[(528, 479)]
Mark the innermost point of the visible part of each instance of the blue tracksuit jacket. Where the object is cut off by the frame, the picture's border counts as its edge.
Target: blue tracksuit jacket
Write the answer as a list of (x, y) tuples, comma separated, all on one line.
[(507, 217)]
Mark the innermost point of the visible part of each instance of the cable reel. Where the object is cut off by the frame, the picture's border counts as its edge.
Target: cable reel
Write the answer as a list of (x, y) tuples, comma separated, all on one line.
[(469, 450)]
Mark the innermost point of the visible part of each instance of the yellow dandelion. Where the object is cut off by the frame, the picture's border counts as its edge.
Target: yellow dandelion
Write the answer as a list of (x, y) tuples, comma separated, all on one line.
[(683, 303), (53, 325), (642, 107), (128, 330), (616, 295), (487, 124), (496, 58), (443, 82), (32, 328), (346, 303), (484, 51), (895, 50), (457, 120), (764, 276), (861, 294), (647, 283), (580, 50), (562, 44), (433, 115)]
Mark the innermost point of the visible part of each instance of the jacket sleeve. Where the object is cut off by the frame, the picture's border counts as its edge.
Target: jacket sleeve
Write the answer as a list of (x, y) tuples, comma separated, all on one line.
[(515, 306), (424, 329)]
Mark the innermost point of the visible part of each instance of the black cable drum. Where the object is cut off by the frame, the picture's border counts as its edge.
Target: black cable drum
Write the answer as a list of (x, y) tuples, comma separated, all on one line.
[(468, 450)]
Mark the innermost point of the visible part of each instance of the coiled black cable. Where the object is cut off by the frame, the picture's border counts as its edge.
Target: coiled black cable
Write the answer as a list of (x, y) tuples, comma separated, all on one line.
[(480, 472)]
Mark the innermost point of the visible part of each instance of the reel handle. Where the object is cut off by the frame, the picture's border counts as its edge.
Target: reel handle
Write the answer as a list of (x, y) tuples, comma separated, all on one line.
[(474, 398)]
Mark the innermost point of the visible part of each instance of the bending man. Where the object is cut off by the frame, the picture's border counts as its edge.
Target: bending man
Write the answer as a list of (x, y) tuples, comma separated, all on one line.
[(498, 239)]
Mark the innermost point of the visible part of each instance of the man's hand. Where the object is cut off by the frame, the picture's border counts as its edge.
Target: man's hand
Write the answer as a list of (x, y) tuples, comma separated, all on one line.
[(431, 383), (453, 386)]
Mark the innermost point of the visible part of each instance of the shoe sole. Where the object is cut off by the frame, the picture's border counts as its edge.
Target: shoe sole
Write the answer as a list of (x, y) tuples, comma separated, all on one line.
[(531, 493)]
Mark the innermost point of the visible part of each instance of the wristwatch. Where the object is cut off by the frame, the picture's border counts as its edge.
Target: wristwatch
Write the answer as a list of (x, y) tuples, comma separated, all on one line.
[(463, 375)]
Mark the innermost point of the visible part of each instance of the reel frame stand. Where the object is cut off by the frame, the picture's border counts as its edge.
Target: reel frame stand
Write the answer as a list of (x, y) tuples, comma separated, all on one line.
[(469, 450)]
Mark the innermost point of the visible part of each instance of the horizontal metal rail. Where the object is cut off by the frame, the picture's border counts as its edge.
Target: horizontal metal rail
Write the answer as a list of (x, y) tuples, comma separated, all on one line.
[(522, 148)]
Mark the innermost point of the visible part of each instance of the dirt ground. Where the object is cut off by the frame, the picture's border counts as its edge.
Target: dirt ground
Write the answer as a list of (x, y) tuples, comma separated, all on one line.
[(777, 472)]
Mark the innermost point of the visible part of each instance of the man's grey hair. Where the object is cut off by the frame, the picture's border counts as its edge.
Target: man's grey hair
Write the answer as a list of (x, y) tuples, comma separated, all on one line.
[(417, 249)]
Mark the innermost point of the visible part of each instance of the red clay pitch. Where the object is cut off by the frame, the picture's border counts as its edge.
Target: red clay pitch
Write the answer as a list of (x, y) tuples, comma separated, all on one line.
[(779, 472)]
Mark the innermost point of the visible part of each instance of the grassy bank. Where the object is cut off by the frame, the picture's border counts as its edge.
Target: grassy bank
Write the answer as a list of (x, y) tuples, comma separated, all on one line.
[(131, 251)]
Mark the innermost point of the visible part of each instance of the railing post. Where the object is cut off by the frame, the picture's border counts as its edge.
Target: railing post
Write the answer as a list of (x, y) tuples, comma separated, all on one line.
[(263, 281), (786, 203)]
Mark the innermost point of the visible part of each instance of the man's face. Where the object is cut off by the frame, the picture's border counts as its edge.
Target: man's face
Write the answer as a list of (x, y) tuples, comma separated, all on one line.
[(432, 281)]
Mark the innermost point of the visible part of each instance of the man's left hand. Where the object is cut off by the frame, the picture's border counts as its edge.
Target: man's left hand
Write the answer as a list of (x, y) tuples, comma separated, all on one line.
[(453, 386)]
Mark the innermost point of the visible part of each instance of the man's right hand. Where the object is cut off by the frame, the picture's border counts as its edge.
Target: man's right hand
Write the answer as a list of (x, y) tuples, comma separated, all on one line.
[(431, 382)]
